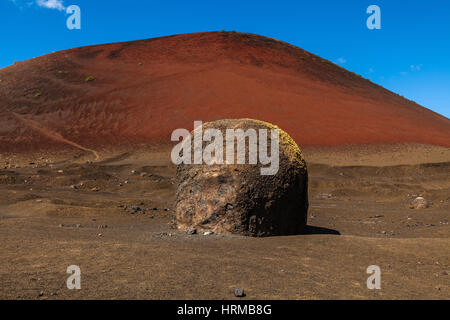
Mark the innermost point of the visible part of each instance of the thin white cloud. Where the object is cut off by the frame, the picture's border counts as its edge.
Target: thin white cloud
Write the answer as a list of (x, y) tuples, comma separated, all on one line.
[(51, 4), (21, 5), (415, 67), (341, 60)]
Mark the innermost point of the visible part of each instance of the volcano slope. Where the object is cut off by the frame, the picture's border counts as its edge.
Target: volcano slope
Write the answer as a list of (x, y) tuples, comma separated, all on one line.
[(140, 91), (86, 177)]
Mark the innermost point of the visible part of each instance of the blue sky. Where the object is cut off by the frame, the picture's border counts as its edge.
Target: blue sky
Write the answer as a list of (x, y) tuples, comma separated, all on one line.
[(409, 55)]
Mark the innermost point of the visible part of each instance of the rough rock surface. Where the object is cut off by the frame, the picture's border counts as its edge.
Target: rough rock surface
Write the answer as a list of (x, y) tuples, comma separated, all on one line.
[(236, 198)]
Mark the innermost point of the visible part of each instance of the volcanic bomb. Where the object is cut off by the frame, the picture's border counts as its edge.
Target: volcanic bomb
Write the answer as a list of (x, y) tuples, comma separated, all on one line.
[(236, 198)]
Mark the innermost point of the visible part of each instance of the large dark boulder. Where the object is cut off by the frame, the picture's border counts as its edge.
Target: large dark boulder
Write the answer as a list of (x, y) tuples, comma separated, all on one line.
[(238, 198)]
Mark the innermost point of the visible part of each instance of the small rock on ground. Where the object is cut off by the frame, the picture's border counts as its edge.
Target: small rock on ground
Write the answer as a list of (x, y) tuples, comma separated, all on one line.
[(191, 231), (239, 292), (419, 203)]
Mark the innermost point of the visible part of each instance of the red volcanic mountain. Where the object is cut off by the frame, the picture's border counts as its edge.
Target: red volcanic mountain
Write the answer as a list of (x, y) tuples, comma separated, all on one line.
[(140, 91)]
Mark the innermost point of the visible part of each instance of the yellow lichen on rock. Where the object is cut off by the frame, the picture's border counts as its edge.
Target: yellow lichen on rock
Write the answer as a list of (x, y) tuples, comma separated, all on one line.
[(295, 154)]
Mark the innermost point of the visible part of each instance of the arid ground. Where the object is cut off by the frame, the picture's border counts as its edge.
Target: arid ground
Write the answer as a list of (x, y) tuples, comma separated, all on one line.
[(58, 210)]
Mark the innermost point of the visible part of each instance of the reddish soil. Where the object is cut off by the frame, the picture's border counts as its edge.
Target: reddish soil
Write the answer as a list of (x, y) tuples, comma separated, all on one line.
[(142, 90)]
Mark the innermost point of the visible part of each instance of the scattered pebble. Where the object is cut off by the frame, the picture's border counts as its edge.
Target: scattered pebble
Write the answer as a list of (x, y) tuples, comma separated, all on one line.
[(191, 231), (208, 233), (239, 292), (136, 209), (419, 203)]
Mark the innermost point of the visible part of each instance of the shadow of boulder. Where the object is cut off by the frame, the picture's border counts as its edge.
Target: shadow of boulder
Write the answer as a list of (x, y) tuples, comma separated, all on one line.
[(319, 230)]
